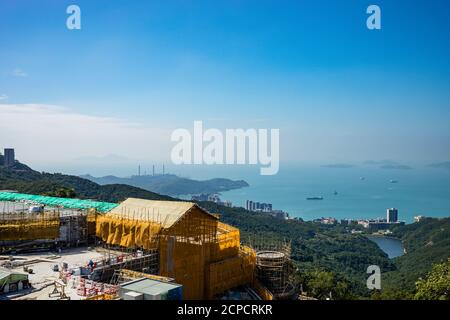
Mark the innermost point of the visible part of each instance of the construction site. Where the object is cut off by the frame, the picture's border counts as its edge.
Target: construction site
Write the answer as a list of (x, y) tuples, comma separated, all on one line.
[(134, 250)]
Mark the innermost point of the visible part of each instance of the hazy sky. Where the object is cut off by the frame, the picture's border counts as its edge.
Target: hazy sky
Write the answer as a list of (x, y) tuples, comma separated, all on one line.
[(136, 70)]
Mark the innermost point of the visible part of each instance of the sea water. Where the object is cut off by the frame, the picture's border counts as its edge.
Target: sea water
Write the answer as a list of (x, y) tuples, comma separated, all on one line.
[(418, 191), (361, 192)]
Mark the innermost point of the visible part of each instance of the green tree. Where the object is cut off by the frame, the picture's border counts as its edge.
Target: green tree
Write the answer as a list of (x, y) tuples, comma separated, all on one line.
[(62, 193), (325, 284), (391, 294), (436, 285)]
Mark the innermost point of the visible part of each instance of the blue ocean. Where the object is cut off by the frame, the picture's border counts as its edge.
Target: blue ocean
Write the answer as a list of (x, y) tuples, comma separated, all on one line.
[(361, 192), (356, 192)]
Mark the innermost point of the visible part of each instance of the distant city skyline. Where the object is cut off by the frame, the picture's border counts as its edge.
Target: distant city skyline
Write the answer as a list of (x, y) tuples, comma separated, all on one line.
[(119, 86)]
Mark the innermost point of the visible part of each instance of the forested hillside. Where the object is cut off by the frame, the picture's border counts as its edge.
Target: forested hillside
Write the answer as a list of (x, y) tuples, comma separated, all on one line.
[(328, 259), (426, 242)]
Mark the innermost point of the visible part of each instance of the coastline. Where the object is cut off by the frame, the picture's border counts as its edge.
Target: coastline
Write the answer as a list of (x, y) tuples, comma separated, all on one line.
[(369, 197)]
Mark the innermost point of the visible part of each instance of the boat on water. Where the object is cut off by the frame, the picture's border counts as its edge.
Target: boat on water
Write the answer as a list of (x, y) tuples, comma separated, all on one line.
[(335, 193), (314, 198), (393, 181)]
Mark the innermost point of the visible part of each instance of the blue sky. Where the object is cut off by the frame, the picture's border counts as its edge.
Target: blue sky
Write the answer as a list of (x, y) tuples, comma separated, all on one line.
[(338, 91)]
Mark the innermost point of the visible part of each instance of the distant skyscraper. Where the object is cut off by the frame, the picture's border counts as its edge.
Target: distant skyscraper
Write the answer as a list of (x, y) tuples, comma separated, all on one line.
[(392, 215), (258, 206), (9, 157)]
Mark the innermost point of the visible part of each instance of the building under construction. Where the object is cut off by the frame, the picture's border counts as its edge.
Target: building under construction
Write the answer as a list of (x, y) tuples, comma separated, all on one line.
[(177, 239), (38, 220), (195, 248), (273, 270)]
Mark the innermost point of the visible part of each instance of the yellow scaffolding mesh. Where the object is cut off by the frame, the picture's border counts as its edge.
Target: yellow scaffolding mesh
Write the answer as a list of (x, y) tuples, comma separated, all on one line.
[(194, 227), (102, 297), (126, 232), (232, 272), (130, 274), (227, 244), (29, 226), (92, 222), (185, 250), (198, 251), (262, 291), (185, 263)]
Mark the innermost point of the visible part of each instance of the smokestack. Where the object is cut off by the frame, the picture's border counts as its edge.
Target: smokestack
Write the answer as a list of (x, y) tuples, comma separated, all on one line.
[(139, 170)]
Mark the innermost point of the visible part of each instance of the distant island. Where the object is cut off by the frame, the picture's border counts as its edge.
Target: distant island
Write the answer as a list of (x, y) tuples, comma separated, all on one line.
[(379, 162), (172, 185), (441, 165), (383, 164), (396, 167), (387, 164), (339, 166)]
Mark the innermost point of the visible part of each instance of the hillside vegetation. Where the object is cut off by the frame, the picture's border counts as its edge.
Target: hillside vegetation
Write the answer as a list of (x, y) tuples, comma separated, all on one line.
[(327, 252), (426, 242), (329, 261), (23, 179)]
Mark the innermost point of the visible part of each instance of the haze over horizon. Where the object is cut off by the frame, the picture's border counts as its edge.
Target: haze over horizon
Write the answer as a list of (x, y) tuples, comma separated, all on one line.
[(338, 92), (121, 166)]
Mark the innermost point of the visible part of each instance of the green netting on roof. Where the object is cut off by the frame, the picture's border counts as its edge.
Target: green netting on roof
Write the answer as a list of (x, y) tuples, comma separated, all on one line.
[(58, 202)]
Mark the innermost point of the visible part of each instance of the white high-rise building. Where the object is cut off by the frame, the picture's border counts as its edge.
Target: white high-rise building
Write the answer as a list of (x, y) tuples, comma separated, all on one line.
[(392, 215)]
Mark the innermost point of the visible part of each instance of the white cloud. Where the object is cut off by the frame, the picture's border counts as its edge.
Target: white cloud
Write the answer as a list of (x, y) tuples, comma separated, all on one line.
[(3, 96), (53, 134), (19, 73)]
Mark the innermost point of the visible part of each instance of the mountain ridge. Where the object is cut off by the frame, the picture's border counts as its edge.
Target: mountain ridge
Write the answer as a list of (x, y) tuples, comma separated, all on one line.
[(22, 178), (170, 184)]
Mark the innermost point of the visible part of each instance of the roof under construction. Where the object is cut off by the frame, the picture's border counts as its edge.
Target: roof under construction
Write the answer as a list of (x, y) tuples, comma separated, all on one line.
[(166, 212), (58, 202)]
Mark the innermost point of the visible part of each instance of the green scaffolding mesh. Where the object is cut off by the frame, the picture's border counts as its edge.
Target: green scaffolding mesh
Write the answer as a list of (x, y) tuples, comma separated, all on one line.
[(58, 202)]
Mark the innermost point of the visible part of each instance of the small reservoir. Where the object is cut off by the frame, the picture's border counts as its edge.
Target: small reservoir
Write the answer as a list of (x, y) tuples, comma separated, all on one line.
[(393, 247)]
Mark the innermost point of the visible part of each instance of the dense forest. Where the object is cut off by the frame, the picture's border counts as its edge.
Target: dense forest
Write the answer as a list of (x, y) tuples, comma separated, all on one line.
[(328, 261), (426, 242)]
